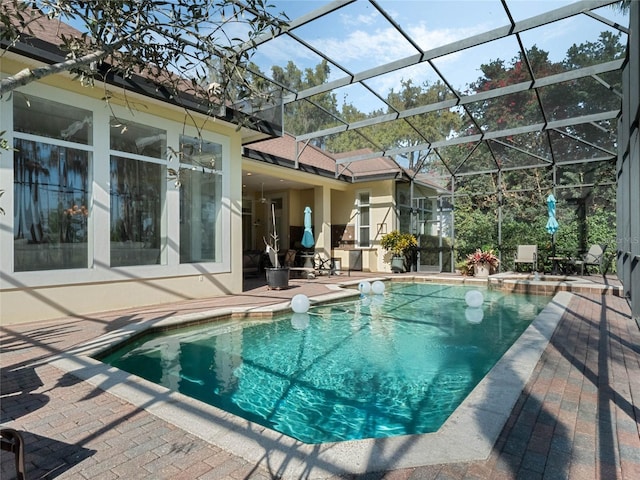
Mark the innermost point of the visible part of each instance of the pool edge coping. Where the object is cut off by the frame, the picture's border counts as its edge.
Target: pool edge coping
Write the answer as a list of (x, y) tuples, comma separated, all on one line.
[(468, 434)]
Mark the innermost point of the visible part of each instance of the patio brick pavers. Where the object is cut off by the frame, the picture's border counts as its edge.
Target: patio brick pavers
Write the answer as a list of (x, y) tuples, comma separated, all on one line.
[(577, 417)]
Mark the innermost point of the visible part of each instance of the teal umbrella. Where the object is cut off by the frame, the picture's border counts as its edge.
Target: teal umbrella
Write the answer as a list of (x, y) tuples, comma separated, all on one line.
[(552, 223), (307, 236)]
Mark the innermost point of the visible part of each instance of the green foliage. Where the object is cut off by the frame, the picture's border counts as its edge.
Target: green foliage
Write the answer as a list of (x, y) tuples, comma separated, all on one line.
[(585, 214), (398, 243)]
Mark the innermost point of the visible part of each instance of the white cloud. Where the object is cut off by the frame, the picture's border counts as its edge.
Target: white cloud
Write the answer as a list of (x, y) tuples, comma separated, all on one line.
[(359, 20), (370, 47), (428, 38)]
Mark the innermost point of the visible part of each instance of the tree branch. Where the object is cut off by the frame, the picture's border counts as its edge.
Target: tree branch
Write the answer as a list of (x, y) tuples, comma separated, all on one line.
[(28, 75)]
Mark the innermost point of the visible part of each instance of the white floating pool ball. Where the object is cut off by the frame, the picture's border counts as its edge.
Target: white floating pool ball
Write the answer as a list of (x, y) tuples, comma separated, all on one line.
[(300, 321), (300, 303), (474, 315), (377, 287), (474, 298), (364, 287)]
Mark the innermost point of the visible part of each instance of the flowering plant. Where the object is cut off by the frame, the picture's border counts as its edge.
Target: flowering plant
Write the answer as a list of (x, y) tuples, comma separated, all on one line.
[(398, 243), (480, 256)]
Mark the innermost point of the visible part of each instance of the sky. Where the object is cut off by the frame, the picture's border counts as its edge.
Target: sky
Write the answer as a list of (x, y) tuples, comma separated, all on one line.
[(358, 38)]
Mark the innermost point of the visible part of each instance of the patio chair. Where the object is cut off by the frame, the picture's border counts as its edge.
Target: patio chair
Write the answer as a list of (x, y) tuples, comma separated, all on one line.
[(594, 257), (11, 441), (290, 258), (251, 262), (526, 254), (322, 263)]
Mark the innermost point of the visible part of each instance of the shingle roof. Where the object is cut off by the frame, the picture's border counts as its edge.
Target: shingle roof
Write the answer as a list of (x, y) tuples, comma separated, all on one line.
[(285, 147), (39, 26)]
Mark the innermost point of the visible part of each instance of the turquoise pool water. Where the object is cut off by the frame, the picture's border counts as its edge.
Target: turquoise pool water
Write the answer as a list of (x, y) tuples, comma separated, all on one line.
[(379, 366)]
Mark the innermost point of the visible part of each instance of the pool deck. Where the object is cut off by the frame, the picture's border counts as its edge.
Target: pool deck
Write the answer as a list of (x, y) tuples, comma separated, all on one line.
[(575, 415)]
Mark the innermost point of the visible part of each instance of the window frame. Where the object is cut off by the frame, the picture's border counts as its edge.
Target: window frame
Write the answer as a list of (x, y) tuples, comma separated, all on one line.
[(99, 240), (359, 224)]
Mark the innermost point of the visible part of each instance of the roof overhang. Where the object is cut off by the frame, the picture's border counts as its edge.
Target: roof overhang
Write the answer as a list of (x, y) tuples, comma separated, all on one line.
[(35, 52)]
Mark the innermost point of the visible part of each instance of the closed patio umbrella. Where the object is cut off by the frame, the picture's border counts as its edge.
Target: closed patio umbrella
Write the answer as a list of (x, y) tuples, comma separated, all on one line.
[(552, 223), (307, 236)]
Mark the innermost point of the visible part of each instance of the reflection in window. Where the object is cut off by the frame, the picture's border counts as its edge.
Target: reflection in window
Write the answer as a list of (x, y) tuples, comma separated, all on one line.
[(51, 206), (45, 118), (132, 137), (200, 153), (200, 202), (136, 211)]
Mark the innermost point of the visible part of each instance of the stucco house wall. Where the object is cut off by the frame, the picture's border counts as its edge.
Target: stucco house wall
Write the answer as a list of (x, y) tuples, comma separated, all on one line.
[(48, 294), (344, 211)]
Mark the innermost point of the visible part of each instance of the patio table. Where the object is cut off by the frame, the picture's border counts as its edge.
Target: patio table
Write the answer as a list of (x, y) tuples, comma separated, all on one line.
[(308, 260), (561, 264)]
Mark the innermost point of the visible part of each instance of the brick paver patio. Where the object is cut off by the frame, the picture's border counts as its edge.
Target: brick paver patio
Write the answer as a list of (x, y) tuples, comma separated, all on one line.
[(576, 418)]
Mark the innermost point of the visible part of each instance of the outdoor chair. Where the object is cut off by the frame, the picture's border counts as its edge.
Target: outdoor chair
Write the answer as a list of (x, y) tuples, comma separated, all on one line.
[(11, 441), (290, 258), (299, 272), (322, 263), (526, 254), (594, 257), (251, 262)]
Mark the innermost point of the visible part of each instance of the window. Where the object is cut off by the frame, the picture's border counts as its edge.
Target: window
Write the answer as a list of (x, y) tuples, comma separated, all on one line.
[(45, 118), (51, 185), (90, 189), (200, 200), (364, 220), (137, 193)]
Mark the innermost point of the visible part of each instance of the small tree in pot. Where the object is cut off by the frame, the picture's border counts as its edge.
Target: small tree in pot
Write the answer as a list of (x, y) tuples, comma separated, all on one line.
[(400, 245), (277, 275)]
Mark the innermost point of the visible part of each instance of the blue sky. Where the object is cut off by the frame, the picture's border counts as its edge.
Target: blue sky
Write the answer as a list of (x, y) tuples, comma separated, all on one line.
[(358, 37)]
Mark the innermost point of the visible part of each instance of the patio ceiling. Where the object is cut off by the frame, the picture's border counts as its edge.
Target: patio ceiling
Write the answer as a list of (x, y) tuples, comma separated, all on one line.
[(508, 33)]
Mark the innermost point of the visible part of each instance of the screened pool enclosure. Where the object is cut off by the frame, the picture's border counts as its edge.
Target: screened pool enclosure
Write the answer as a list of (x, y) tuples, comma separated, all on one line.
[(496, 114)]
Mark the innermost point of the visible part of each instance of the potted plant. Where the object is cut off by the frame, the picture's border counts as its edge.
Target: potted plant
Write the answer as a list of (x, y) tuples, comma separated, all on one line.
[(277, 275), (482, 262), (399, 245)]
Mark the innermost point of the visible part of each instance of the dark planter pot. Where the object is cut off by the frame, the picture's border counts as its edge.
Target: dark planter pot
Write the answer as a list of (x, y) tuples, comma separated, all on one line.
[(397, 264), (277, 278)]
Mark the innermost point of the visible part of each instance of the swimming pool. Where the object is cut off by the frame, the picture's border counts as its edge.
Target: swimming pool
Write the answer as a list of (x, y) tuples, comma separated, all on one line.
[(375, 367)]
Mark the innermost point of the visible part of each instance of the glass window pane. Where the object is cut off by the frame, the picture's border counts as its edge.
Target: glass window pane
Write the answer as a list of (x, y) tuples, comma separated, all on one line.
[(364, 237), (136, 211), (42, 117), (136, 138), (200, 210), (364, 216), (51, 206), (201, 153)]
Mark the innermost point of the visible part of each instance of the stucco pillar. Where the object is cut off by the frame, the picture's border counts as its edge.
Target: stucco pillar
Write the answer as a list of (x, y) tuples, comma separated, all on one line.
[(322, 219)]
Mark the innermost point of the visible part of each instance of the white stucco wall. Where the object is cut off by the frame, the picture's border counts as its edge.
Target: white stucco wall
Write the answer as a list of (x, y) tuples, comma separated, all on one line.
[(42, 295)]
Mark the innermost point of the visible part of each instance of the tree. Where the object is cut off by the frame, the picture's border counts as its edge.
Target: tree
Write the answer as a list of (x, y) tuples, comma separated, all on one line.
[(303, 116), (200, 49), (421, 128), (585, 191)]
